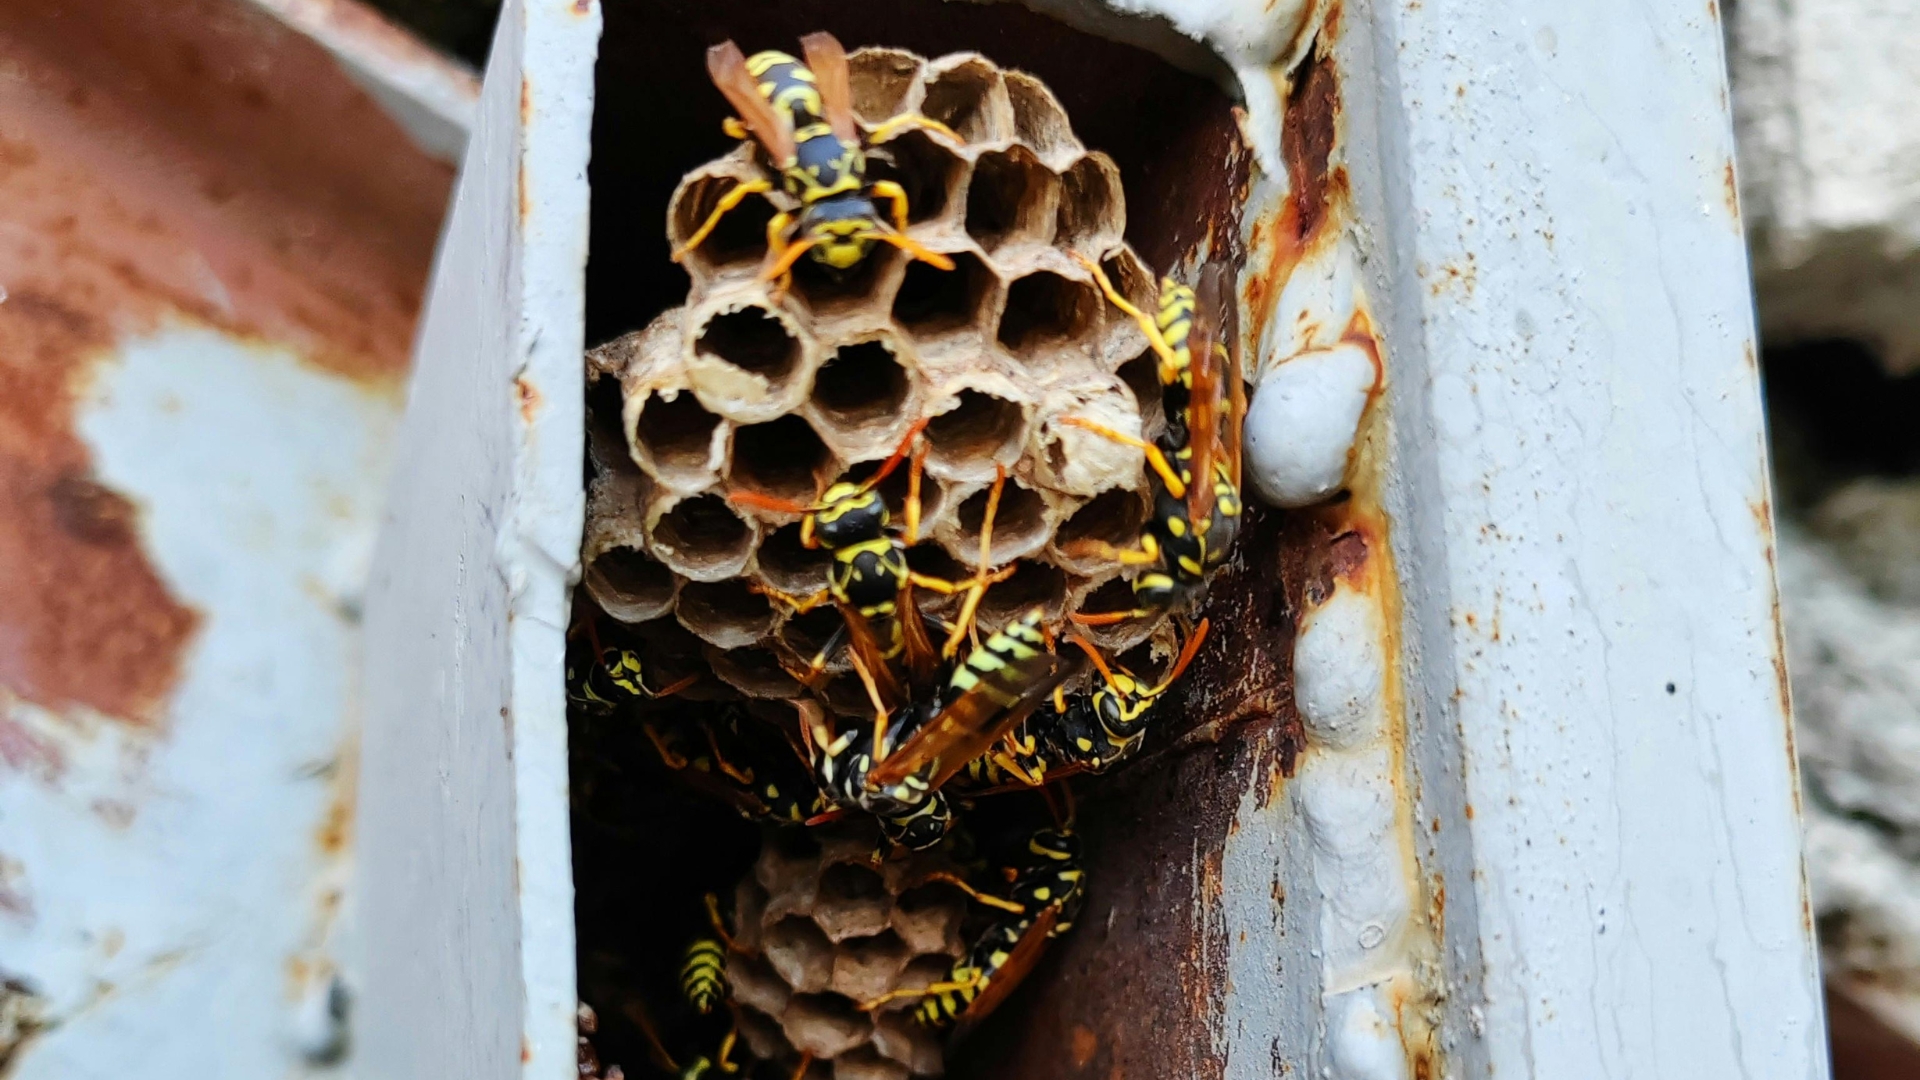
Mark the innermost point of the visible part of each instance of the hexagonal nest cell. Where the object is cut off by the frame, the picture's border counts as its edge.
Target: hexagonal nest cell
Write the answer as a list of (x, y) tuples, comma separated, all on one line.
[(719, 424)]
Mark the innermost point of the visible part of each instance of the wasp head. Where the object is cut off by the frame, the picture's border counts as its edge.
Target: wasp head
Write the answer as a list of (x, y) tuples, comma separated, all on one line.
[(849, 514), (843, 229)]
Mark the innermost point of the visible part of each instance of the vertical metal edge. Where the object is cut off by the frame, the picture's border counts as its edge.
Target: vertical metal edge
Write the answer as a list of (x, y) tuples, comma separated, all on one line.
[(541, 546)]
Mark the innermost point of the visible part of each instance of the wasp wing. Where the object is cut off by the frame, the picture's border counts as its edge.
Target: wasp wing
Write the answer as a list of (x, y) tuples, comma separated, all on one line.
[(923, 661), (728, 67), (1203, 404), (867, 650), (974, 721), (1215, 294), (1007, 978), (828, 62)]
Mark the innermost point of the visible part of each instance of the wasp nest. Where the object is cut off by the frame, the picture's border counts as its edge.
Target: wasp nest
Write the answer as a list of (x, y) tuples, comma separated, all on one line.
[(746, 389), (823, 928)]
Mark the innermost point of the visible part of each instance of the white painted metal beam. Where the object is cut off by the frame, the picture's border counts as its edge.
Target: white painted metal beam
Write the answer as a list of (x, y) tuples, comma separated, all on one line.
[(467, 897), (1598, 711)]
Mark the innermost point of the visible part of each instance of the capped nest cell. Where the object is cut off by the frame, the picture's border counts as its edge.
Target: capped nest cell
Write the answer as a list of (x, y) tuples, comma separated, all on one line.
[(749, 388), (821, 928)]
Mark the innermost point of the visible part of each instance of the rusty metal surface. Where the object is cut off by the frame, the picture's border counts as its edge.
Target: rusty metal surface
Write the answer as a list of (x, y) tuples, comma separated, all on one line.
[(212, 246)]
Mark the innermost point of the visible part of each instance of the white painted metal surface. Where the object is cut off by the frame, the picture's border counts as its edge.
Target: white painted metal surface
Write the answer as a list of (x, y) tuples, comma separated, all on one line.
[(468, 884), (181, 868), (1580, 507)]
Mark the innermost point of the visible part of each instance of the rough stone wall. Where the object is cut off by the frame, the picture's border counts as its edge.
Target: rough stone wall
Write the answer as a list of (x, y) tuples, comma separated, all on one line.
[(1830, 167)]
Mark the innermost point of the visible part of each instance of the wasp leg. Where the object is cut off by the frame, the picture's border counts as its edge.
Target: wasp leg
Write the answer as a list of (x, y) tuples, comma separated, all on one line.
[(985, 898), (926, 991), (732, 199), (916, 249), (832, 645), (895, 194), (781, 255), (724, 1058), (1014, 769), (1169, 364), (806, 1062), (800, 604), (677, 685), (672, 758), (1108, 618), (906, 121), (1100, 549), (978, 588), (742, 776), (879, 706), (734, 129), (1176, 487), (720, 924), (915, 465)]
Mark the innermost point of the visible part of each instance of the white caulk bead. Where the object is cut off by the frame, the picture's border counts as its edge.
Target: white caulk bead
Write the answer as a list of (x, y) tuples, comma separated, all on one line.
[(1302, 423)]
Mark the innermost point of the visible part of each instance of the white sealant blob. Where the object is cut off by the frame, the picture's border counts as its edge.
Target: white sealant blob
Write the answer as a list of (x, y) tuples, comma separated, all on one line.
[(1340, 671), (1361, 1036), (1302, 422)]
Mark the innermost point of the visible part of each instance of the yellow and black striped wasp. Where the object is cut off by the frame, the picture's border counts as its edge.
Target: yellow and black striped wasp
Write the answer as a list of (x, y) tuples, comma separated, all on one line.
[(604, 679), (1049, 891), (703, 967), (923, 743), (870, 581), (712, 754), (1100, 729), (802, 116), (1196, 511)]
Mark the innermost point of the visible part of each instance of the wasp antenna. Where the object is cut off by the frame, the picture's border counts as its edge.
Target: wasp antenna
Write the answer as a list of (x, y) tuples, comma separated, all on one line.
[(783, 265), (760, 501), (1186, 657), (899, 454), (678, 685), (1098, 660)]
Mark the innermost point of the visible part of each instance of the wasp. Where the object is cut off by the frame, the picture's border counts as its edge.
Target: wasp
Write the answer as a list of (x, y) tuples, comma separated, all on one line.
[(703, 967), (922, 744), (802, 116), (604, 679), (714, 756), (1196, 512), (1097, 731), (696, 1068), (870, 580), (1049, 890)]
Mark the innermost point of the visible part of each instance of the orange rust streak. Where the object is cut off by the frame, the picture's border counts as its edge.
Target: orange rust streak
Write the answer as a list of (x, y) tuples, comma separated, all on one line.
[(151, 170)]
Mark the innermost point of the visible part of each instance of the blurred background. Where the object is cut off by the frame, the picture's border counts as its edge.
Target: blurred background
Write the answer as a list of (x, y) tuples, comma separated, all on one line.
[(216, 222)]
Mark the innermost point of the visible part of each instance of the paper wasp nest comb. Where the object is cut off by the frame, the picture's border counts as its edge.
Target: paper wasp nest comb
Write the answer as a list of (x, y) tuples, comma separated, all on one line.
[(822, 929), (741, 389)]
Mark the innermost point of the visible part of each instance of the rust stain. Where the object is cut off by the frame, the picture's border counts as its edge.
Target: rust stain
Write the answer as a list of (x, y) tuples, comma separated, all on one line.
[(528, 396), (1469, 811), (1085, 1045), (21, 749), (1713, 10), (1730, 190), (582, 7), (153, 171), (1309, 131)]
